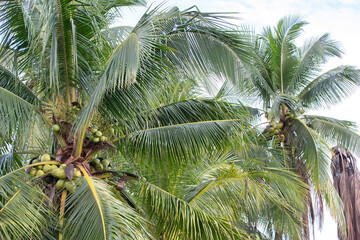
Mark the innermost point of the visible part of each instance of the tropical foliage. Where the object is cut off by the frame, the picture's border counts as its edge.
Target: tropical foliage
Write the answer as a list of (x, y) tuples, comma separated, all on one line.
[(287, 81), (115, 132)]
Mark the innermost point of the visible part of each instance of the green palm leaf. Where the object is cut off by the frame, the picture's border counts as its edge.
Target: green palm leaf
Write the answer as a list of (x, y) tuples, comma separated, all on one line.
[(313, 150), (16, 112), (101, 214), (339, 131), (176, 219), (314, 52), (330, 88), (19, 194)]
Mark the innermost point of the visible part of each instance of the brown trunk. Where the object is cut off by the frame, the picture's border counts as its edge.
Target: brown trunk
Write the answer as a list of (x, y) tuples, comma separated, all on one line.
[(346, 179)]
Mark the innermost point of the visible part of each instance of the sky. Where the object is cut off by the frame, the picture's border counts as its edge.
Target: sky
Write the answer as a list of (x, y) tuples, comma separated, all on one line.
[(340, 18)]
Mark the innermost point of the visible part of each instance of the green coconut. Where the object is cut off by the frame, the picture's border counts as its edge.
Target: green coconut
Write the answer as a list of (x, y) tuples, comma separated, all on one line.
[(103, 138), (59, 173), (99, 167), (47, 168), (32, 171), (96, 140), (98, 133), (56, 128), (105, 163), (40, 167), (60, 184), (39, 172), (77, 173), (70, 186), (45, 158), (96, 161)]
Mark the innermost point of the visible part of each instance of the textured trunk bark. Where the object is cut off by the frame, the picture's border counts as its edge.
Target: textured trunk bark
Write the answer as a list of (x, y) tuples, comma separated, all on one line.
[(346, 178)]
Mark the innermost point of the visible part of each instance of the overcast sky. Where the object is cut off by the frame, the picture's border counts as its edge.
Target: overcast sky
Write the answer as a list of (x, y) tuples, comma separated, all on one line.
[(340, 18)]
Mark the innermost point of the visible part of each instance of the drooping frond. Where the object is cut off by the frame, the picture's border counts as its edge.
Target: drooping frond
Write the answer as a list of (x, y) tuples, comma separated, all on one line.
[(20, 194), (16, 112), (176, 219), (178, 142), (101, 214), (8, 160), (11, 83), (312, 149), (251, 195), (336, 131), (346, 180), (330, 88)]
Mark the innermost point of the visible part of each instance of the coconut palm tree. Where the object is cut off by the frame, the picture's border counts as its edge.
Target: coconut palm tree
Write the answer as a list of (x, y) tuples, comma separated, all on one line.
[(287, 81), (77, 98)]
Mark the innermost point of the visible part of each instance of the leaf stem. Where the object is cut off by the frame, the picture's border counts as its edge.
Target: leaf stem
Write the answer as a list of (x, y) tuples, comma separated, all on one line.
[(62, 211)]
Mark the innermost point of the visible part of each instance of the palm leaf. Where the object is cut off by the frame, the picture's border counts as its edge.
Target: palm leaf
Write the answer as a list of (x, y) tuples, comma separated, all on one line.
[(337, 131), (314, 52), (176, 219), (18, 195), (312, 149), (16, 112), (10, 82), (101, 214), (8, 160), (283, 100), (330, 88), (257, 194), (179, 142)]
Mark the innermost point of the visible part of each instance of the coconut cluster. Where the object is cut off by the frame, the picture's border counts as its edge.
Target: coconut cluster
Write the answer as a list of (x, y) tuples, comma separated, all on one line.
[(97, 136), (57, 172), (99, 164)]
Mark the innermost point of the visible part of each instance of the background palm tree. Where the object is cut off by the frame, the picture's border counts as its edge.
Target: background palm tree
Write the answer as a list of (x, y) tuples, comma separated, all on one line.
[(287, 81), (290, 83)]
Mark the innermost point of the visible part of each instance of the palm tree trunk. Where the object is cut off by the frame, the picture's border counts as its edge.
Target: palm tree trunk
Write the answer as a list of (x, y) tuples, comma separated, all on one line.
[(346, 178)]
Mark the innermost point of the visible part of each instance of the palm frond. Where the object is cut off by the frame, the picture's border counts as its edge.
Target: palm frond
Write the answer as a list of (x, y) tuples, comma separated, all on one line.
[(10, 82), (336, 131), (314, 52), (281, 47), (283, 100), (312, 149), (158, 43), (180, 142), (19, 194), (8, 160), (16, 112), (16, 29), (258, 195), (101, 214), (330, 88), (176, 219)]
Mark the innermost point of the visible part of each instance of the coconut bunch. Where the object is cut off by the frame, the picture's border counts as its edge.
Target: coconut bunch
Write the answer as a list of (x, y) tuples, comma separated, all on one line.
[(62, 175), (99, 164), (97, 136), (61, 168)]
